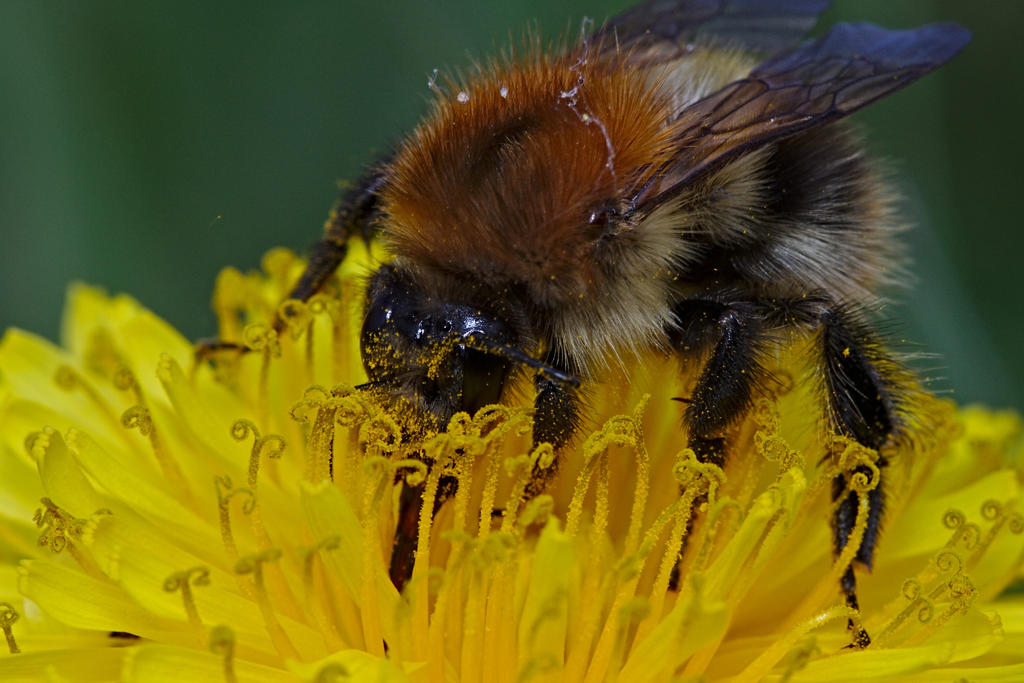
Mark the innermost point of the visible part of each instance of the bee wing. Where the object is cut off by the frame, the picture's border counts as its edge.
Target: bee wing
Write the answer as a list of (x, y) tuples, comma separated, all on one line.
[(660, 30), (821, 81)]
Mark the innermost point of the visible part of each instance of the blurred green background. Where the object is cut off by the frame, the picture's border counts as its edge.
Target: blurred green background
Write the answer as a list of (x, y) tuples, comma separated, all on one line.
[(145, 145)]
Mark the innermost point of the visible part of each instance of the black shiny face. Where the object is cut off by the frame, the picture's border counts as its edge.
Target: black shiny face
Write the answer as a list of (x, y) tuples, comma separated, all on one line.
[(434, 354)]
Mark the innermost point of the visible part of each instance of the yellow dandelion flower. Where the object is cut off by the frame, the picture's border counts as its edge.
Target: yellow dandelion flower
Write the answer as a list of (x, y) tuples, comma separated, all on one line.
[(162, 521)]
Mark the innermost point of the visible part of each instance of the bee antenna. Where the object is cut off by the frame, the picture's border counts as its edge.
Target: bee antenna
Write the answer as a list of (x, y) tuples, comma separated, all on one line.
[(504, 351)]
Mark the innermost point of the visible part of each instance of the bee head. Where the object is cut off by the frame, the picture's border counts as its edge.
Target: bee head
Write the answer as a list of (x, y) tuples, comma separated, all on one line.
[(436, 355)]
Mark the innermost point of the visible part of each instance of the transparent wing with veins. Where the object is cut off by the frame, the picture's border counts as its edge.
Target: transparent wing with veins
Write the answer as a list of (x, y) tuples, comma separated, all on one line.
[(812, 85)]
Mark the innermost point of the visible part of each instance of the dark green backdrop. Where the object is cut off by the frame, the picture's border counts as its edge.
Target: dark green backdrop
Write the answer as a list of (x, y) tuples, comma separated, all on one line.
[(145, 145)]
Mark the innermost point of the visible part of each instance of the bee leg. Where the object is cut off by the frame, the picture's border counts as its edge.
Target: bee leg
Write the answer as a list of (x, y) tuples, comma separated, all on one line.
[(354, 214), (403, 549), (723, 390), (734, 332), (863, 408), (843, 523), (207, 349), (732, 371), (556, 418), (410, 504)]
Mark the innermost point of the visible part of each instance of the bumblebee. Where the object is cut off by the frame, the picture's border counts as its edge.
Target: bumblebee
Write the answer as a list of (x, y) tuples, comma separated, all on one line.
[(678, 179)]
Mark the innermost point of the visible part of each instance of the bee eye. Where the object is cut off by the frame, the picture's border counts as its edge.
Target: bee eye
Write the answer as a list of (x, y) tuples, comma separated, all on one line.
[(377, 318)]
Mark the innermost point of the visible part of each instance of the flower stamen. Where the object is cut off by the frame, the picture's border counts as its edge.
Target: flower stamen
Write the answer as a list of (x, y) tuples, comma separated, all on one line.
[(138, 416), (416, 590), (270, 446), (57, 526), (378, 474), (767, 660), (253, 564), (530, 466), (671, 555), (320, 442), (916, 602), (298, 318), (826, 586), (222, 642), (263, 338), (768, 442), (497, 422), (225, 492), (319, 601), (8, 615), (964, 534), (68, 379), (183, 581), (101, 354), (995, 512), (229, 302)]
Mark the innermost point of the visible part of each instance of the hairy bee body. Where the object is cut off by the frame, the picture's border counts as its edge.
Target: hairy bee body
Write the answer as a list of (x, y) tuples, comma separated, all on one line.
[(679, 179), (514, 189)]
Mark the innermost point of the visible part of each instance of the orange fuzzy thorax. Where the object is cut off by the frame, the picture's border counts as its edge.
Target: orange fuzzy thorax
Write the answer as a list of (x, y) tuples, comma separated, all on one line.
[(503, 177)]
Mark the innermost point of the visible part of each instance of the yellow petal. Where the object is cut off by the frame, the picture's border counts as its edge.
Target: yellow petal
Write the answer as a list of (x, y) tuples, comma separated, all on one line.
[(241, 560), (139, 488), (966, 637), (328, 513), (99, 665), (162, 664), (62, 477), (353, 665), (542, 627), (692, 624), (81, 601)]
